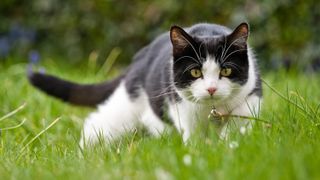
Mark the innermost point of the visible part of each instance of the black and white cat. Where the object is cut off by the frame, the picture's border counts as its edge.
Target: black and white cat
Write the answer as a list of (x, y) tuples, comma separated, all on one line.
[(183, 73)]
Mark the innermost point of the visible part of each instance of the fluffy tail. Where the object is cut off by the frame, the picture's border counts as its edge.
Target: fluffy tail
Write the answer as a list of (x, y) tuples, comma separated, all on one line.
[(83, 95)]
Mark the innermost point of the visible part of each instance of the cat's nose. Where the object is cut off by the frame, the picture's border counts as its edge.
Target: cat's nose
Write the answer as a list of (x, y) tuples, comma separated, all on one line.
[(211, 90)]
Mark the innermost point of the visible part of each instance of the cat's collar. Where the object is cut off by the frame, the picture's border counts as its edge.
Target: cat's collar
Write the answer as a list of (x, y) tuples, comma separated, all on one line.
[(215, 114)]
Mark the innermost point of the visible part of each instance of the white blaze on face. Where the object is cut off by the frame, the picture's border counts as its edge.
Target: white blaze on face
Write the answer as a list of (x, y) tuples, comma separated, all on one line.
[(210, 71)]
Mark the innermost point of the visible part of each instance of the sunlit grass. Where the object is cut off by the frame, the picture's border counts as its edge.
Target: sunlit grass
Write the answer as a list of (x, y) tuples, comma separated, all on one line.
[(286, 149)]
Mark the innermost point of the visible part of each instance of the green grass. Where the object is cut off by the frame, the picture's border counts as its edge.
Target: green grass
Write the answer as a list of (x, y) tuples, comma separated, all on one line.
[(288, 149)]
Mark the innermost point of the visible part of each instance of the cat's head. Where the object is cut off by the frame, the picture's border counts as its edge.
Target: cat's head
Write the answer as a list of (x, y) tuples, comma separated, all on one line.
[(210, 67)]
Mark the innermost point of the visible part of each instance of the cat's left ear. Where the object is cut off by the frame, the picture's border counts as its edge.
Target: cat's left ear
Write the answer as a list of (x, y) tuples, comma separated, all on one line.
[(180, 39), (239, 36)]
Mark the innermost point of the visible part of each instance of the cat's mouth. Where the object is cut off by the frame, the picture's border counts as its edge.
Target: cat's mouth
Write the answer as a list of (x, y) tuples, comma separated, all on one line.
[(188, 95)]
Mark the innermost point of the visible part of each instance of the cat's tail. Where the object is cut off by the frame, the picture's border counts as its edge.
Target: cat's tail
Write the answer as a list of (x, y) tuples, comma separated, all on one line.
[(78, 94)]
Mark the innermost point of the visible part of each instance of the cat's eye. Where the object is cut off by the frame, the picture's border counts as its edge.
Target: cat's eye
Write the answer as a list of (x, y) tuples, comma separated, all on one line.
[(226, 72), (196, 73)]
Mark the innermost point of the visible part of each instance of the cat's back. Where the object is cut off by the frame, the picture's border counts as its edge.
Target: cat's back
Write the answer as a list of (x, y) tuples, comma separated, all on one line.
[(155, 57), (162, 45), (200, 29)]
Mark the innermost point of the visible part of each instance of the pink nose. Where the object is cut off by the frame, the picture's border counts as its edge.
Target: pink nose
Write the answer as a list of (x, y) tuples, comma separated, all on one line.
[(211, 90)]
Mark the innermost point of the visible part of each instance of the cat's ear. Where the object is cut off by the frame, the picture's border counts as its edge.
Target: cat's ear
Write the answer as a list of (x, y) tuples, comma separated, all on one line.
[(239, 36), (179, 39)]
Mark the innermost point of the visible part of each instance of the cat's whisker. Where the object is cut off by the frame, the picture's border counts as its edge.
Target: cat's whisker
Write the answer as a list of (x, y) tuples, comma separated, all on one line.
[(165, 90), (197, 100), (165, 93), (237, 39), (224, 47), (189, 68), (233, 65), (190, 97), (202, 43), (239, 50), (162, 95), (192, 48), (192, 58)]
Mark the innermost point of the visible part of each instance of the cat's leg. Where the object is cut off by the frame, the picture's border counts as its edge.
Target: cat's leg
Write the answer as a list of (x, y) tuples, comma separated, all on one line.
[(152, 122), (149, 119), (182, 116), (249, 108), (113, 118)]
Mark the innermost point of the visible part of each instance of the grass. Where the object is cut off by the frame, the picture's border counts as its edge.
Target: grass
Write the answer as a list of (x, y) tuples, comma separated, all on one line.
[(288, 149)]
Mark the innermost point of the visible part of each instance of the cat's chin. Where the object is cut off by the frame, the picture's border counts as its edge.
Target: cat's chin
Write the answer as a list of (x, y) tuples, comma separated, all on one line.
[(207, 100), (210, 100)]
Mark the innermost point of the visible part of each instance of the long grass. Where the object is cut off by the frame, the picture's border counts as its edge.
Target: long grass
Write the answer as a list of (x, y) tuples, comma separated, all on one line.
[(287, 148)]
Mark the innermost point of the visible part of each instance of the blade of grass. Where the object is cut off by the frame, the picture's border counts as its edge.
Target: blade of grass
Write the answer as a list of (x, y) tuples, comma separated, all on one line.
[(39, 134), (13, 112), (285, 98), (92, 61), (13, 127), (109, 61), (296, 93)]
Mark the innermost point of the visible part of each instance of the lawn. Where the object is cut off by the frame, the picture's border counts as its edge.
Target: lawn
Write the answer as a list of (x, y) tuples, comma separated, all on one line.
[(285, 148)]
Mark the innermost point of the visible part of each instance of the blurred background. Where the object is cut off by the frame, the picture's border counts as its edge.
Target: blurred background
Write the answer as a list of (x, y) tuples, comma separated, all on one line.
[(284, 33)]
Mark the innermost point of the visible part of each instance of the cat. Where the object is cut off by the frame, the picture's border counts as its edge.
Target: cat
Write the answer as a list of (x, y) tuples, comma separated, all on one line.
[(183, 73)]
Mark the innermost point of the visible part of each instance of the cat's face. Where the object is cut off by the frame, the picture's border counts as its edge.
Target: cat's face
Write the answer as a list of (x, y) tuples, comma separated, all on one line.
[(210, 69)]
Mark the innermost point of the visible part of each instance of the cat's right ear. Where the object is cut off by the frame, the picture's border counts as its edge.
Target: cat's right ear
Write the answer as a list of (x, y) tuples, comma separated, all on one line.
[(239, 36), (179, 39)]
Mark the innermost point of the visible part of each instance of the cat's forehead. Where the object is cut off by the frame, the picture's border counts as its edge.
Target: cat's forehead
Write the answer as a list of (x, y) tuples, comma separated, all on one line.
[(210, 44), (210, 64), (209, 40)]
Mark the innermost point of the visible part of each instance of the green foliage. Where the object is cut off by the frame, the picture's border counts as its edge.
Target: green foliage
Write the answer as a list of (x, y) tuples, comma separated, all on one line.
[(282, 30), (286, 149)]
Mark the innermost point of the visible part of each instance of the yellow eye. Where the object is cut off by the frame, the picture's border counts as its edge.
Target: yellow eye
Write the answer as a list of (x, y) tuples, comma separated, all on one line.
[(196, 73), (226, 72)]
